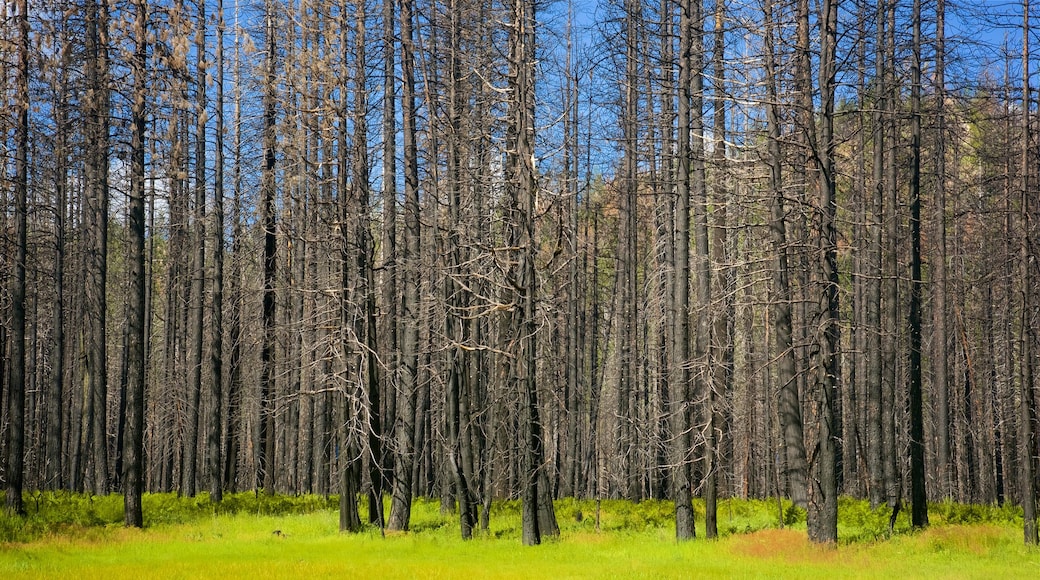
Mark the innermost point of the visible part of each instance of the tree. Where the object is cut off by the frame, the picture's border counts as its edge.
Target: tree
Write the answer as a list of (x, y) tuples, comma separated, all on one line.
[(628, 269), (940, 315), (537, 515), (679, 387), (215, 393), (16, 398), (721, 353), (823, 492), (458, 326), (890, 277), (876, 461), (400, 509), (1027, 405), (265, 463), (198, 267), (56, 390), (790, 406), (918, 497), (133, 452), (231, 446), (388, 245), (96, 205)]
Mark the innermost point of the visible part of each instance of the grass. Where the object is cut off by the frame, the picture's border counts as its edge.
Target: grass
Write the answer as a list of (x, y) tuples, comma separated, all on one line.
[(72, 536)]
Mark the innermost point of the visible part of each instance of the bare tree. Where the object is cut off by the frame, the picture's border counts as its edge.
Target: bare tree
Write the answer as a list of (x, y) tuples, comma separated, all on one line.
[(215, 393), (1027, 404), (404, 423), (872, 341), (198, 268), (96, 206), (918, 496), (940, 316), (679, 387), (15, 467), (823, 491), (890, 278), (790, 406), (265, 464), (133, 451)]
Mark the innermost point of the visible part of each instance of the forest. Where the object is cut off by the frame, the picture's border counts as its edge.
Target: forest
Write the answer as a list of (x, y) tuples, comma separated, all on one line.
[(515, 249)]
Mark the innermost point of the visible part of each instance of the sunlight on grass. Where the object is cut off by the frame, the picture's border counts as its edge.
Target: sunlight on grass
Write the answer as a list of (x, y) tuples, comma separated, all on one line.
[(299, 538)]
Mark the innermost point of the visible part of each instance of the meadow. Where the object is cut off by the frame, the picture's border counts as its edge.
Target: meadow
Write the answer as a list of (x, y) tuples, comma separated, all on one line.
[(75, 536)]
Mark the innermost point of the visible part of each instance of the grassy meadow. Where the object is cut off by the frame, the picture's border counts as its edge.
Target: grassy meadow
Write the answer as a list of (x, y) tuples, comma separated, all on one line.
[(74, 536)]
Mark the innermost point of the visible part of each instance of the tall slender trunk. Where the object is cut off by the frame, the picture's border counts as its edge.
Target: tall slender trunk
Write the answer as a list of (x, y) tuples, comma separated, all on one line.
[(133, 452), (214, 405), (876, 487), (55, 394), (1027, 404), (365, 248), (231, 449), (265, 459), (890, 279), (198, 268), (458, 327), (400, 510), (721, 356), (95, 370), (941, 363), (352, 287), (538, 518), (388, 247), (15, 467), (572, 350), (823, 493), (679, 385), (627, 273), (701, 267), (918, 495), (789, 404), (665, 239)]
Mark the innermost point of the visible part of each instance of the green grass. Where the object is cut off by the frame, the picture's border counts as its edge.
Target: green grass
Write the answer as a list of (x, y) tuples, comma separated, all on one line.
[(72, 536)]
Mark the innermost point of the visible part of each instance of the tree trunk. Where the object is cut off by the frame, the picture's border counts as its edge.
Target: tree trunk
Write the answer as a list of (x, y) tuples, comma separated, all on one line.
[(388, 284), (214, 403), (198, 268), (133, 451), (918, 496), (940, 364), (458, 327), (265, 459), (1027, 404), (400, 510), (55, 395), (95, 371), (789, 404), (876, 462), (702, 383), (234, 396), (823, 493), (679, 385), (721, 356), (15, 468), (890, 282)]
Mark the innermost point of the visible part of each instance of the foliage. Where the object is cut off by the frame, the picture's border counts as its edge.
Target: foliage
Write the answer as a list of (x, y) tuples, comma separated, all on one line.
[(252, 536), (71, 514)]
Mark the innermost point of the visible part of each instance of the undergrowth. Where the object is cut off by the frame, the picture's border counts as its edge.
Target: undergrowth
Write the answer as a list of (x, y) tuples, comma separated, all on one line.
[(62, 512), (73, 514)]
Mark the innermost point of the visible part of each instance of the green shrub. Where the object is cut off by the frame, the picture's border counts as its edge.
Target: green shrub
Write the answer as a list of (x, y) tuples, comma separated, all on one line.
[(65, 513)]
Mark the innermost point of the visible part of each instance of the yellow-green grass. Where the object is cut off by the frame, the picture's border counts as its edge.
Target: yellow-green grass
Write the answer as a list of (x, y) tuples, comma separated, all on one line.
[(634, 541)]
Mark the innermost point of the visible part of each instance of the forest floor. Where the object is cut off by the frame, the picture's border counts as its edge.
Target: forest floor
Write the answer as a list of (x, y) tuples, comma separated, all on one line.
[(79, 537)]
